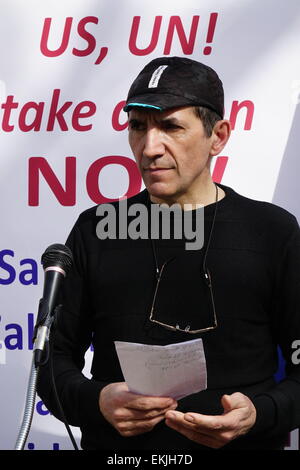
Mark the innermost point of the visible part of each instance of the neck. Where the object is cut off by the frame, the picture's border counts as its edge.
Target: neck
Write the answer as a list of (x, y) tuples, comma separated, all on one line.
[(205, 195)]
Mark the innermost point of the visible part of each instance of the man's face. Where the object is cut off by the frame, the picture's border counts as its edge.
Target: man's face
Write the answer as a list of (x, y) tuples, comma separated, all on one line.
[(171, 151)]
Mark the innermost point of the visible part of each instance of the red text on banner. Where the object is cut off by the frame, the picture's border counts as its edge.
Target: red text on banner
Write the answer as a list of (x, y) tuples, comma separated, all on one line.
[(246, 107), (187, 39), (82, 32), (65, 193), (32, 114)]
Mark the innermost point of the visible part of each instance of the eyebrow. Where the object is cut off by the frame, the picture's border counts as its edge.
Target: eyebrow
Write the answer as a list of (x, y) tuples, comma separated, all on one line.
[(170, 120)]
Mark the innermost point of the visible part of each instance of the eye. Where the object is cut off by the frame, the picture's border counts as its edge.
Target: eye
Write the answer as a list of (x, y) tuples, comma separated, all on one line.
[(136, 125), (170, 126)]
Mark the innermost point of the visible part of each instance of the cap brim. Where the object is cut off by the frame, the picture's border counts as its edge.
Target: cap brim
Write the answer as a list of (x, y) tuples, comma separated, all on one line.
[(160, 102), (140, 105)]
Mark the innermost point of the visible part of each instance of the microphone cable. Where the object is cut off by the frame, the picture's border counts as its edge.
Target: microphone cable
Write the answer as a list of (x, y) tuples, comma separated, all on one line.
[(59, 405)]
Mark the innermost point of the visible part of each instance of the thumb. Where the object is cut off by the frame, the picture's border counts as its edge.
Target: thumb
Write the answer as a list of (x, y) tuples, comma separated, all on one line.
[(227, 403)]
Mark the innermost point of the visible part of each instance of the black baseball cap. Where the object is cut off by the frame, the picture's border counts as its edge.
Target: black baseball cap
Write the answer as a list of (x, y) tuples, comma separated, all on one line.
[(170, 82)]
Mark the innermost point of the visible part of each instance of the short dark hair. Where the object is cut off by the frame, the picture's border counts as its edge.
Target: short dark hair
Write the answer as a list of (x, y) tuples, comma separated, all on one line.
[(208, 118)]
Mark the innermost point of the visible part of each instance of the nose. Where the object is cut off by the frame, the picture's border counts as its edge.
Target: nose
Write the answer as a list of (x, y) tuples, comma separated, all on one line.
[(153, 143)]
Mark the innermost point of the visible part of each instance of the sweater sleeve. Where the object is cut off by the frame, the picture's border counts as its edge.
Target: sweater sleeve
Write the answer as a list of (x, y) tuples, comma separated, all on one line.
[(71, 337), (278, 410)]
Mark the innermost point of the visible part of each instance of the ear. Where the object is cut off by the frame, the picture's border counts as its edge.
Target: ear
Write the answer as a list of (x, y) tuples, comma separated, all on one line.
[(220, 136)]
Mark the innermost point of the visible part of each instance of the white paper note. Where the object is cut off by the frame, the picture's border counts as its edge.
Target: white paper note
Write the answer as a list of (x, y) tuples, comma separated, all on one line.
[(175, 370)]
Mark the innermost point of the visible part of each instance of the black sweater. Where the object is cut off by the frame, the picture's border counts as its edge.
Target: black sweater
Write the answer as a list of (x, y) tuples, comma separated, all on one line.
[(254, 260)]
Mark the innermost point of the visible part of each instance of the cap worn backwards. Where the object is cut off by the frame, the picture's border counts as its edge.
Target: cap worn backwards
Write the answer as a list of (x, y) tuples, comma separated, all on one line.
[(171, 82)]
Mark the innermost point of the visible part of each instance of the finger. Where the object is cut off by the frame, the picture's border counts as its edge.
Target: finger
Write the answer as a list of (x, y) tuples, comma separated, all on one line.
[(123, 414), (234, 401), (140, 402), (227, 422), (204, 423), (226, 403), (214, 437), (134, 428), (177, 420), (195, 420), (193, 435)]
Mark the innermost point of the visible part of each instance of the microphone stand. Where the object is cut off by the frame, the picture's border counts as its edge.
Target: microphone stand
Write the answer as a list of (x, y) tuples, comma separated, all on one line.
[(41, 337), (56, 262)]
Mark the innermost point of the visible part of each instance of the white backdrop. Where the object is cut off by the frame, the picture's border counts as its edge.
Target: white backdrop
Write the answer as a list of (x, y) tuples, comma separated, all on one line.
[(65, 67)]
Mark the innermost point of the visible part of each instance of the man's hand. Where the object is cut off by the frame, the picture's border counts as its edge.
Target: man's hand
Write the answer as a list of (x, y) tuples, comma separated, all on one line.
[(132, 414), (215, 431)]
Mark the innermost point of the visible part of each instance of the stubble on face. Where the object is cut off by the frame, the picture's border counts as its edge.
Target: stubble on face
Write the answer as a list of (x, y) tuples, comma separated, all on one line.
[(172, 152)]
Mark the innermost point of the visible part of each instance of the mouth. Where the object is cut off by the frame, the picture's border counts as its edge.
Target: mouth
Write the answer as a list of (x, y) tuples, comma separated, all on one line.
[(157, 170)]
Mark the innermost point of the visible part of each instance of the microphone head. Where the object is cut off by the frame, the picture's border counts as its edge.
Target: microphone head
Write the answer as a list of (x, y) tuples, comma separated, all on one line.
[(57, 255)]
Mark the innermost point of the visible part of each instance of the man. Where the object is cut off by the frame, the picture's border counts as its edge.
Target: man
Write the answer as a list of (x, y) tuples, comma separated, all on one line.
[(239, 293)]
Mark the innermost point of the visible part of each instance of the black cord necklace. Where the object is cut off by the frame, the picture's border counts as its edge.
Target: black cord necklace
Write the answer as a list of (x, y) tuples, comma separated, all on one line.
[(205, 270)]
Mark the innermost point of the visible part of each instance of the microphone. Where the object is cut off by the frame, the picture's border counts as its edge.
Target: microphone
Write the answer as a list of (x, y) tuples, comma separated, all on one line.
[(57, 261)]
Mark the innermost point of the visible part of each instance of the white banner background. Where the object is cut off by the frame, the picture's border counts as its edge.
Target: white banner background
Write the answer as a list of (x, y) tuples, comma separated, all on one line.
[(255, 50)]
